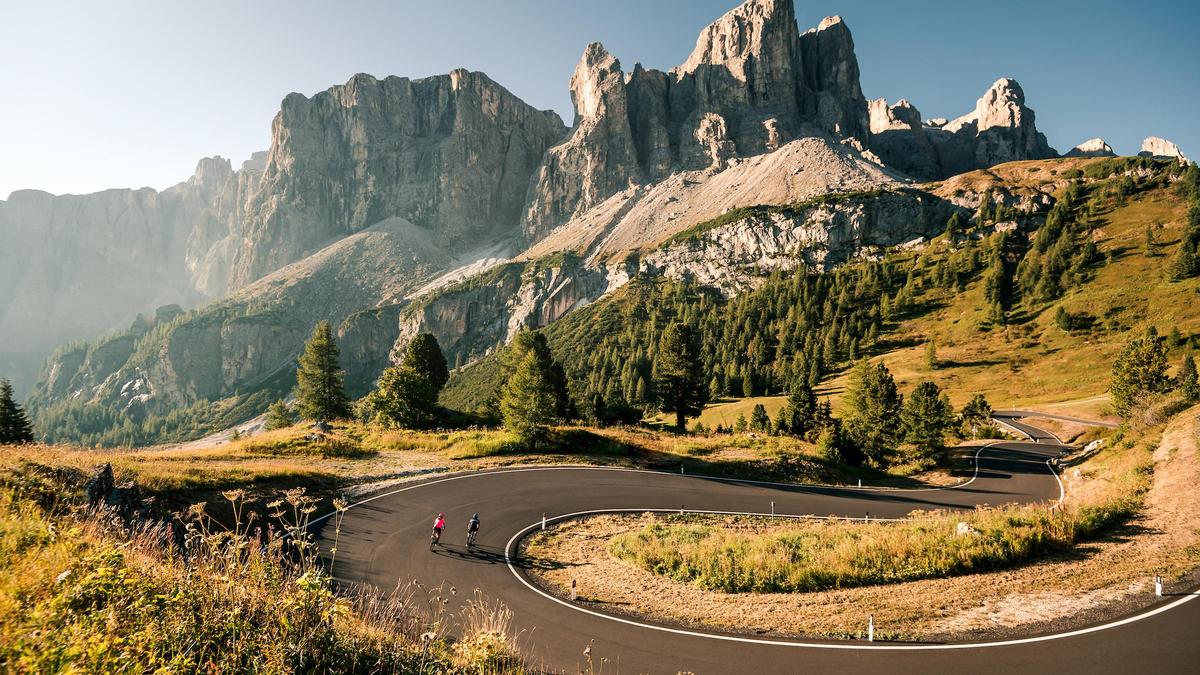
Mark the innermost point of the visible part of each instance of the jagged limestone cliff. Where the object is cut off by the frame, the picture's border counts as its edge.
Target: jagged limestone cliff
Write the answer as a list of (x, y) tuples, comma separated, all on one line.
[(752, 84), (452, 154), (1000, 129)]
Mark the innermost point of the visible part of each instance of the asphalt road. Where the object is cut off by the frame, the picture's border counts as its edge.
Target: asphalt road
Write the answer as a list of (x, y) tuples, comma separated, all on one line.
[(385, 542)]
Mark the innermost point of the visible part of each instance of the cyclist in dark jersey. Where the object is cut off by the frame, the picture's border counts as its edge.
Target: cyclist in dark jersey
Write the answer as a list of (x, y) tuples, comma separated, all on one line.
[(472, 529)]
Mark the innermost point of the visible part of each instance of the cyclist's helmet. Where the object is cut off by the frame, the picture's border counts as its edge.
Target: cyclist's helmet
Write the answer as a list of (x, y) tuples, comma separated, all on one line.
[(475, 516)]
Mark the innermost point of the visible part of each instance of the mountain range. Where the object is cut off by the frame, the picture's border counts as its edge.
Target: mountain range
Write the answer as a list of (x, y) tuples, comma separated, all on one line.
[(447, 205)]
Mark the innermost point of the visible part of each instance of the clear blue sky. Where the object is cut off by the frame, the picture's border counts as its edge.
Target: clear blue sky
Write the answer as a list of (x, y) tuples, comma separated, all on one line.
[(128, 94)]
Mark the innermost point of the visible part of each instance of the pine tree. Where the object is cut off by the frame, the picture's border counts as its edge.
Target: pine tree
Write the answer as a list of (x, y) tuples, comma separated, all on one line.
[(873, 410), (1185, 264), (279, 416), (320, 389), (527, 401), (1140, 370), (1187, 381), (680, 385), (799, 415), (759, 421), (931, 356), (975, 414), (15, 428), (924, 419), (404, 397), (424, 355), (1062, 319), (954, 227)]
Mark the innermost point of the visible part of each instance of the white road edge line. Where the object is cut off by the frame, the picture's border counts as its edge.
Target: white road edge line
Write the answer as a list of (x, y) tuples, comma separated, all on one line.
[(810, 645), (525, 582)]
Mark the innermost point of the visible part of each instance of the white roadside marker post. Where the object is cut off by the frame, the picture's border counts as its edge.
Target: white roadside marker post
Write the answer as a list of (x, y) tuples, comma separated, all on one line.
[(772, 508), (871, 628), (574, 594), (859, 482), (681, 509), (1157, 586), (543, 521), (867, 517)]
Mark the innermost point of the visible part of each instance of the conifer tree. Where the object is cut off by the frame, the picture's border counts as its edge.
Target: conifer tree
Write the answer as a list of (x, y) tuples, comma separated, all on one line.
[(527, 401), (320, 382), (1187, 381), (925, 418), (1140, 370), (759, 421), (279, 416), (873, 410), (424, 355), (799, 416), (14, 424), (975, 414), (680, 383)]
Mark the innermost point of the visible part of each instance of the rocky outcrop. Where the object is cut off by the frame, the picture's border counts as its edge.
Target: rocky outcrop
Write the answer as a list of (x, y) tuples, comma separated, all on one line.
[(898, 138), (1095, 147), (751, 85), (599, 158), (452, 154), (475, 317), (1000, 129), (1162, 149)]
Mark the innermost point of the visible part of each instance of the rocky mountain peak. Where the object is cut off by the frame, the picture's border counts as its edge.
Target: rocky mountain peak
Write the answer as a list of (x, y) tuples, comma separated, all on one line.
[(1002, 105), (597, 83), (212, 173), (751, 85), (756, 32), (902, 115), (449, 153), (1161, 147), (1094, 147), (830, 21)]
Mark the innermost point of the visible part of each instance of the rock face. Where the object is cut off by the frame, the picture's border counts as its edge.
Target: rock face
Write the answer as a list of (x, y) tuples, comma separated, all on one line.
[(1161, 148), (1096, 147), (77, 266), (898, 137), (473, 318), (752, 84), (451, 153), (1000, 129)]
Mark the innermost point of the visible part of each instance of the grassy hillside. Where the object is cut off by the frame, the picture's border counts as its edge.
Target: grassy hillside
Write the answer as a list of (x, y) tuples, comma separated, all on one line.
[(1124, 220)]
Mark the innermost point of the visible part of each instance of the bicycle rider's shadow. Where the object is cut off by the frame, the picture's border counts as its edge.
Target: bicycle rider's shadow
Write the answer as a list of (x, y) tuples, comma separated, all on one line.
[(491, 556)]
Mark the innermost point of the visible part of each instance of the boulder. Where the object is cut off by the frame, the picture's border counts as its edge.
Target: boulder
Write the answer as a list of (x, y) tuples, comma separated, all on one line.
[(100, 485)]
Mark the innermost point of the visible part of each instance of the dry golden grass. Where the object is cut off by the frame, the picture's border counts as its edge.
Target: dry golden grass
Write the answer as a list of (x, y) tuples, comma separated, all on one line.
[(82, 591)]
